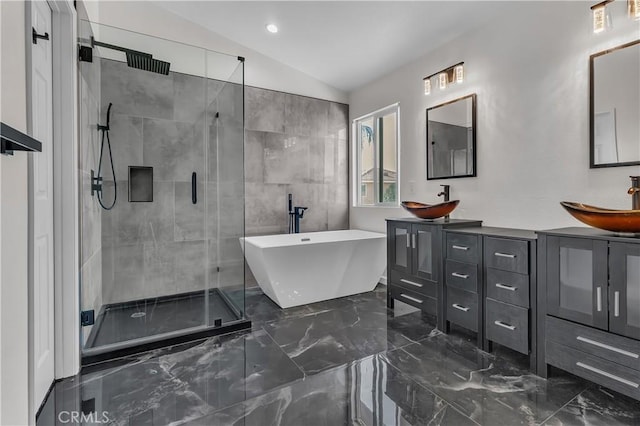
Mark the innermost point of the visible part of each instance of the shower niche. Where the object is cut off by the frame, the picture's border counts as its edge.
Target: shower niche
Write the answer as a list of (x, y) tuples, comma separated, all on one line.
[(140, 184), (158, 268)]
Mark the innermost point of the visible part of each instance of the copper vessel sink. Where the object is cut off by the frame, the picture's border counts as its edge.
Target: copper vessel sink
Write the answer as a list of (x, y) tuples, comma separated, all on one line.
[(429, 211), (607, 219)]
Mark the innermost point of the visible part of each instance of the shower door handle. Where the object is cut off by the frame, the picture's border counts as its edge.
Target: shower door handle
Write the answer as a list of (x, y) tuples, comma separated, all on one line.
[(194, 188)]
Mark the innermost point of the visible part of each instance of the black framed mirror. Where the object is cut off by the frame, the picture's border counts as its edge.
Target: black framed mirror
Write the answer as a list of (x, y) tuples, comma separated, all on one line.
[(614, 106), (451, 139)]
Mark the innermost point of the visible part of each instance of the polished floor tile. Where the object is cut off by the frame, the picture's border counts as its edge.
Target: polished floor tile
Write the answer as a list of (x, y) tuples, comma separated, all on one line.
[(347, 361), (598, 406), (364, 392), (487, 388)]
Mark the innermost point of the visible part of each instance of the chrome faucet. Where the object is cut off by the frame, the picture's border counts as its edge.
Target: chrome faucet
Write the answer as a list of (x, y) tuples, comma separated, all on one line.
[(446, 191), (634, 191)]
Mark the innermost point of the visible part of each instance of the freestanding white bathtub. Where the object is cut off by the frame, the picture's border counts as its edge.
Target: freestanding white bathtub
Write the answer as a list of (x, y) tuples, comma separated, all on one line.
[(296, 269)]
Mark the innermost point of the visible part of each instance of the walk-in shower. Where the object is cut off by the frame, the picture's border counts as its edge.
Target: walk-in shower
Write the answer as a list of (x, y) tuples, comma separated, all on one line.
[(162, 127)]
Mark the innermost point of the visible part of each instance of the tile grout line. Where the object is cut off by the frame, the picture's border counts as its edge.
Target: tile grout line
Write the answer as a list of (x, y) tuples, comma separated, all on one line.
[(566, 404), (427, 388), (304, 375)]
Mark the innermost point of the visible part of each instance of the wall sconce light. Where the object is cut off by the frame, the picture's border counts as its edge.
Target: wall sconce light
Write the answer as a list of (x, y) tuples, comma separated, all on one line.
[(427, 86), (601, 17), (633, 8), (447, 76)]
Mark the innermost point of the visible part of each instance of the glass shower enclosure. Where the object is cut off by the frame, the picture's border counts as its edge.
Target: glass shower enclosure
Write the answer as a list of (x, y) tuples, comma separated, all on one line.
[(161, 167)]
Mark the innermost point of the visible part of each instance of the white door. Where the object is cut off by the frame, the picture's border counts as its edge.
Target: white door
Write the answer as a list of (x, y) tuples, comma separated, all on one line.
[(41, 193)]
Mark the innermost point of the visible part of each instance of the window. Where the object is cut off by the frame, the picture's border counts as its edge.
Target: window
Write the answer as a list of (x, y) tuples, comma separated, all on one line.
[(377, 136)]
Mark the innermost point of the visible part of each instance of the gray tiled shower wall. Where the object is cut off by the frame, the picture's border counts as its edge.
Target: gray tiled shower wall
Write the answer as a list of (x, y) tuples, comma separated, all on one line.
[(293, 145)]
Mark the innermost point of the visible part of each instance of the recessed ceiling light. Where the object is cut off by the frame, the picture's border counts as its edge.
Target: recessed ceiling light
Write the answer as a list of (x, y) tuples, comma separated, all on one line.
[(272, 28)]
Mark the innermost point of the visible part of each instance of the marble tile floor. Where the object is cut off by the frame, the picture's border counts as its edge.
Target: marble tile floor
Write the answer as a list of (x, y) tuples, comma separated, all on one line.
[(348, 361)]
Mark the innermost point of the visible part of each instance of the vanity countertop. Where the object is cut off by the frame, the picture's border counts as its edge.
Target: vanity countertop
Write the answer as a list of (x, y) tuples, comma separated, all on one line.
[(594, 233), (441, 221)]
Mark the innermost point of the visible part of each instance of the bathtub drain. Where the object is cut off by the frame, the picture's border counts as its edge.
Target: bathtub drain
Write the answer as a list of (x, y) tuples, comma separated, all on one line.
[(138, 314)]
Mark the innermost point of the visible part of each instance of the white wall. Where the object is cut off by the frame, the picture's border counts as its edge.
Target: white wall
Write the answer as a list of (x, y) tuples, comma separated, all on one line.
[(13, 226), (260, 70), (530, 72)]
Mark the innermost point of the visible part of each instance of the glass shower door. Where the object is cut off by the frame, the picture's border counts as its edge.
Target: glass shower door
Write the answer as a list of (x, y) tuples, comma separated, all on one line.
[(168, 149), (226, 174)]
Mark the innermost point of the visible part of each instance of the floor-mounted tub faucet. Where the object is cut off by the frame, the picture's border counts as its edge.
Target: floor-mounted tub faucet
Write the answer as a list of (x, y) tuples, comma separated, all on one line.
[(295, 214), (634, 191), (446, 191)]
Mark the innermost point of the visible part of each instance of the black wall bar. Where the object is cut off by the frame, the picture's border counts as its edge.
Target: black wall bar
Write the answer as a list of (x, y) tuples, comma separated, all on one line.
[(14, 140)]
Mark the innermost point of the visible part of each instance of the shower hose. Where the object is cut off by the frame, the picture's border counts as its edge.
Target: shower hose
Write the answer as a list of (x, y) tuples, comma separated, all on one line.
[(105, 135)]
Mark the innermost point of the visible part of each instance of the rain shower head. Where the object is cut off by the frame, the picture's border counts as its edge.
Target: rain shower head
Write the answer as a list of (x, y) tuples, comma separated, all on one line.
[(147, 63), (136, 59)]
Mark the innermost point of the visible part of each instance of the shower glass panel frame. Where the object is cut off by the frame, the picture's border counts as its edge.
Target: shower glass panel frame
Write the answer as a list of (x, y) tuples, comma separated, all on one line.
[(169, 270)]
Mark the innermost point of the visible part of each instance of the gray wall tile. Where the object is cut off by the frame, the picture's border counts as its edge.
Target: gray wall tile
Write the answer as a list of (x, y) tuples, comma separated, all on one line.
[(189, 97), (254, 156), (135, 92), (266, 209), (172, 150), (264, 110), (189, 217), (126, 145), (191, 266), (305, 116)]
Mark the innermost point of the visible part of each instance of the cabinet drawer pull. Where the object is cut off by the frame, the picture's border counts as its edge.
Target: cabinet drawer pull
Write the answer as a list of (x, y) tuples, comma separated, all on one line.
[(460, 307), (605, 346), (457, 275), (616, 304), (412, 298), (408, 241), (609, 375), (413, 240), (510, 256), (599, 299), (506, 287), (505, 325), (463, 248), (402, 280)]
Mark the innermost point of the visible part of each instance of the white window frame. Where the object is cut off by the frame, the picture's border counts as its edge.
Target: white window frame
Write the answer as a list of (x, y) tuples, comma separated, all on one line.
[(357, 174)]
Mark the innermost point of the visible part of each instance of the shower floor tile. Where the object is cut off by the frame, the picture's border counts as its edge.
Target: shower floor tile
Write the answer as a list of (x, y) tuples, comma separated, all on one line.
[(135, 320)]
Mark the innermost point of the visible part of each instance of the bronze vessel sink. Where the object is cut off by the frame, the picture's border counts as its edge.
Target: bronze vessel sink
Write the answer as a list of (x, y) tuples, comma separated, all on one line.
[(607, 219), (429, 211)]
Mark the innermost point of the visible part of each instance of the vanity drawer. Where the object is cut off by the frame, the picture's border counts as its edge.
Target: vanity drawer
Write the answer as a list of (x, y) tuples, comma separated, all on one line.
[(509, 287), (420, 301), (508, 325), (605, 345), (462, 308), (596, 369), (507, 255), (410, 282), (463, 248), (461, 275)]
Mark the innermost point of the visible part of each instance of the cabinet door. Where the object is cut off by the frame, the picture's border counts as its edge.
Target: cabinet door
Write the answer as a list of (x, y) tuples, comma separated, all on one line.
[(399, 246), (624, 290), (577, 280), (425, 246)]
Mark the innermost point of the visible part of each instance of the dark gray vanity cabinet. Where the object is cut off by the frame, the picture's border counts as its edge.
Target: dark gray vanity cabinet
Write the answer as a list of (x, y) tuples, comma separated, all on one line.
[(589, 306), (414, 261), (490, 282), (577, 280)]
